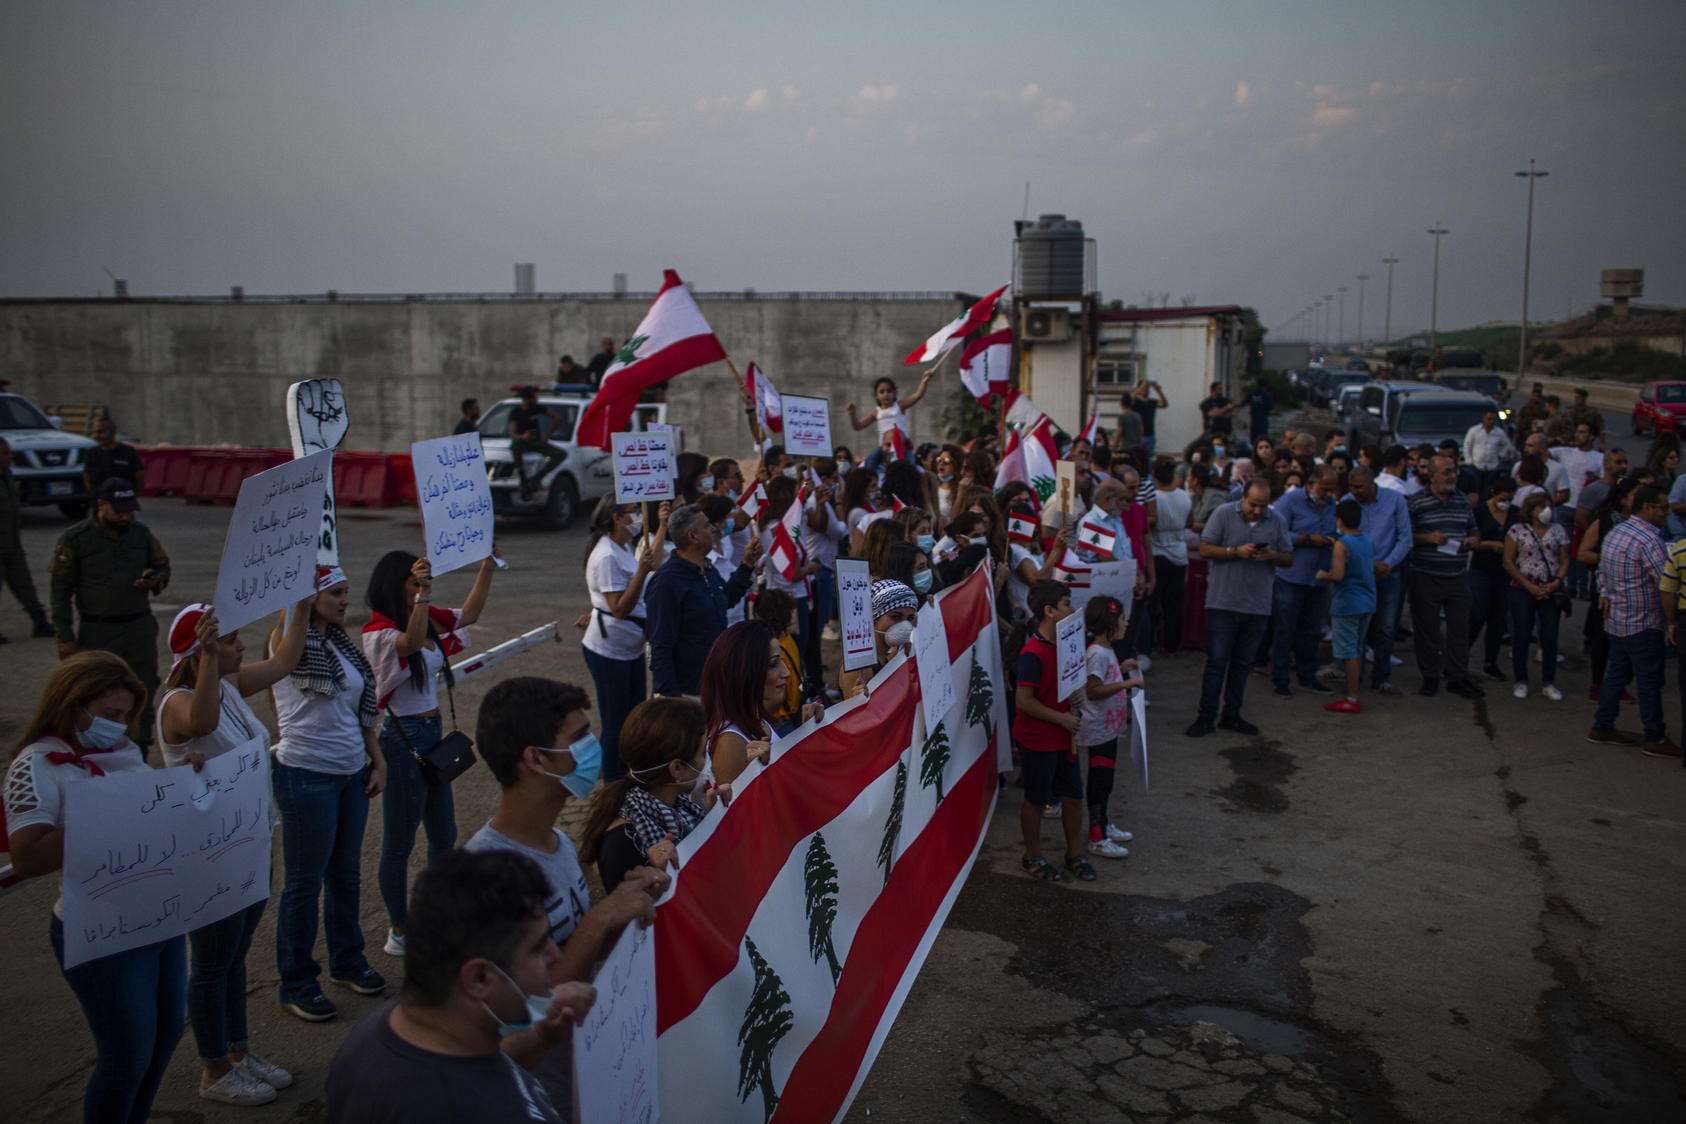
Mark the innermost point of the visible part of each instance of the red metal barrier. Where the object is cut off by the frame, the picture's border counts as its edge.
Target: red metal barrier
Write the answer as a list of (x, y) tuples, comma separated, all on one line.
[(403, 472), (166, 471), (363, 480)]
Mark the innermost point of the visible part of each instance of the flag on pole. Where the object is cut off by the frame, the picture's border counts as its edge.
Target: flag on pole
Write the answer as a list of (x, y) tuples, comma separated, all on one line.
[(1071, 571), (1021, 530), (786, 549), (1093, 535), (1039, 457), (898, 442), (986, 365), (1018, 410), (1012, 466), (753, 502), (898, 504), (1090, 430), (769, 407), (672, 338), (951, 333)]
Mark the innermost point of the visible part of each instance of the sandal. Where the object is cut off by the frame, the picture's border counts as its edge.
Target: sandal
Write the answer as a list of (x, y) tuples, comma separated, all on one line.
[(1079, 866), (1039, 868)]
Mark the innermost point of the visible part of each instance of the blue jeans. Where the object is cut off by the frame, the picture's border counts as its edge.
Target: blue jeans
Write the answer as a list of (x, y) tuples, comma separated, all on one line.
[(1232, 640), (1390, 594), (410, 802), (1525, 609), (216, 983), (620, 687), (1297, 611), (135, 1003), (322, 819), (1490, 607), (1637, 657), (1150, 442)]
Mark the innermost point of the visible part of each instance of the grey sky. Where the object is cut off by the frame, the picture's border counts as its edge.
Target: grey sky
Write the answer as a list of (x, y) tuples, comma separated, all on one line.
[(1251, 152)]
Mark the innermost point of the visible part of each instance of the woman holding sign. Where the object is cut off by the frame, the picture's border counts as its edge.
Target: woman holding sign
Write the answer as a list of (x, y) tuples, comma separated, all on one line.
[(203, 714), (614, 629), (408, 659), (134, 1000)]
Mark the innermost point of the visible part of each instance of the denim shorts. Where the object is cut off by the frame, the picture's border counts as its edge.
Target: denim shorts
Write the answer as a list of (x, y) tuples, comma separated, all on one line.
[(1346, 635)]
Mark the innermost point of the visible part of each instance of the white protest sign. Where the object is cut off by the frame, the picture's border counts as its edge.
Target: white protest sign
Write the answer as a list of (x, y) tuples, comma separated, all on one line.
[(1138, 733), (152, 854), (644, 468), (456, 500), (854, 612), (807, 426), (615, 1047), (1109, 579), (1068, 644), (269, 554), (936, 674), (678, 432)]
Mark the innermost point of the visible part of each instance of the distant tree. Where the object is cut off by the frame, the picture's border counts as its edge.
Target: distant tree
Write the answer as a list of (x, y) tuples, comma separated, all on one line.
[(893, 824), (933, 759), (765, 1023), (819, 885), (980, 699)]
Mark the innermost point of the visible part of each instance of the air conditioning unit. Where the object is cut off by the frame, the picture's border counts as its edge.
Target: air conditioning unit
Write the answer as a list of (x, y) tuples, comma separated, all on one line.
[(1045, 325)]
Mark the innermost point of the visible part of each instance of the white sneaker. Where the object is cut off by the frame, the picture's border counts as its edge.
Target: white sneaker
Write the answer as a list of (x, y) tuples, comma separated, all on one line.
[(238, 1087), (1519, 691), (394, 943), (1050, 811), (1107, 849), (1551, 692), (1118, 834), (266, 1071)]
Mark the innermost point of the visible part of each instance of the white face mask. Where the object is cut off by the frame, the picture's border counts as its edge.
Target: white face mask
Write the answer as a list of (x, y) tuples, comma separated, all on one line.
[(538, 1007), (637, 526), (706, 484), (898, 635), (1545, 514), (792, 473)]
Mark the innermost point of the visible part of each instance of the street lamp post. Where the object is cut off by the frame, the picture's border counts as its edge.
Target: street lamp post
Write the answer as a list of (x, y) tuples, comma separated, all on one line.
[(1434, 293), (1362, 277), (1340, 332), (1328, 307), (1527, 253), (1387, 316)]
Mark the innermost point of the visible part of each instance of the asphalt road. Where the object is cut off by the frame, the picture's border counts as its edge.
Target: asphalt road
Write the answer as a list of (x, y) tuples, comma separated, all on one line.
[(1434, 911)]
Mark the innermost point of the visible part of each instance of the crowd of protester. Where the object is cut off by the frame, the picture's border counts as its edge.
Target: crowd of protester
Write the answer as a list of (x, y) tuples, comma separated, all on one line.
[(703, 652)]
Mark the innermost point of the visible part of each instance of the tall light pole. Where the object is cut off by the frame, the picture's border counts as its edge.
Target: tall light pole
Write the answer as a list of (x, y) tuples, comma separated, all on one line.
[(1387, 317), (1328, 307), (1527, 253), (1340, 332), (1434, 293), (1362, 277)]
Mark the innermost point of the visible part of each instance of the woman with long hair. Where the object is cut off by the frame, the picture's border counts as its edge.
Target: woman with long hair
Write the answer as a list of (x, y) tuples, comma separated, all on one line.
[(917, 523), (640, 818), (1663, 458), (410, 644), (1536, 556), (613, 642), (879, 536), (950, 460), (980, 501), (691, 470), (327, 766), (906, 563), (134, 1001), (860, 488), (743, 683), (202, 714)]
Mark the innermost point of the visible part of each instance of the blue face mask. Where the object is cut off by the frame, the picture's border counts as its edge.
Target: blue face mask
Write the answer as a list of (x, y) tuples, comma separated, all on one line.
[(102, 733), (727, 524), (945, 477), (588, 763), (538, 1006), (926, 543), (922, 581)]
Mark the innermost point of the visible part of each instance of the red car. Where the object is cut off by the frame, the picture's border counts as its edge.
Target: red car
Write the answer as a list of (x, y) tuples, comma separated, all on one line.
[(1661, 408)]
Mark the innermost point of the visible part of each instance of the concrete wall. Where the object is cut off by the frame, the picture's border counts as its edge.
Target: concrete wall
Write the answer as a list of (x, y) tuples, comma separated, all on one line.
[(216, 372)]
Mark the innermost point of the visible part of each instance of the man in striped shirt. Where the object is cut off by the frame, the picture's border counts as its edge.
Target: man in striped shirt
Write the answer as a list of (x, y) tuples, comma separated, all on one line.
[(1443, 531), (1630, 567)]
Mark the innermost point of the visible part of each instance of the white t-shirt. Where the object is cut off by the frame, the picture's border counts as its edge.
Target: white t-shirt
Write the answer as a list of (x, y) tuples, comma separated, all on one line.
[(1581, 466), (1166, 540), (1557, 478), (317, 733), (236, 725), (891, 417), (35, 786), (610, 570), (770, 572), (568, 897), (1017, 588), (394, 684), (1100, 721), (822, 545)]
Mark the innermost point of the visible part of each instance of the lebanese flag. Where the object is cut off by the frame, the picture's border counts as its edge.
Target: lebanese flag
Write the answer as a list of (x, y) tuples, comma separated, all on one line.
[(1093, 536), (769, 407), (1089, 430), (986, 364), (1018, 410), (898, 442), (672, 338), (753, 502), (1071, 571), (950, 334), (899, 504), (786, 550), (1039, 457), (1012, 466), (1021, 530)]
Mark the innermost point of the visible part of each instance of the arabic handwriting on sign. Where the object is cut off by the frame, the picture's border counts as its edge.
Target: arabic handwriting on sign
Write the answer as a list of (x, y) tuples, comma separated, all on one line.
[(452, 454)]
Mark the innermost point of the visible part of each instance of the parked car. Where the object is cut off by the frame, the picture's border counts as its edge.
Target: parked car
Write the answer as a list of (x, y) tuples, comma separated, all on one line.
[(1660, 408), (1327, 383), (47, 464), (1490, 383), (1346, 400), (1358, 364), (1431, 415), (584, 475), (1378, 401)]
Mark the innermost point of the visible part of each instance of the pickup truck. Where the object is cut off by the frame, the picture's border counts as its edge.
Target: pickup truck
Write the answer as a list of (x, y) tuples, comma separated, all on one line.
[(46, 463)]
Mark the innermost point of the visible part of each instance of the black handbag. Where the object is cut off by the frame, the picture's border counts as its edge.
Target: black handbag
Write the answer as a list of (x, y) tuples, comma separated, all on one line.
[(450, 758)]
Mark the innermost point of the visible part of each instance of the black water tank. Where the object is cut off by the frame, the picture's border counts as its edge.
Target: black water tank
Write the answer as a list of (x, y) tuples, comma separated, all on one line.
[(1051, 257)]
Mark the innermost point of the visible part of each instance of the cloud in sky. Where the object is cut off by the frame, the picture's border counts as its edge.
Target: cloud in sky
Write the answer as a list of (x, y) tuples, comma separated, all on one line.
[(418, 146)]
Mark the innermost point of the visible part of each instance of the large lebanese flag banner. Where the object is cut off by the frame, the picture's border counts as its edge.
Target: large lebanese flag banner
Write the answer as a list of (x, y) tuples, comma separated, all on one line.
[(672, 338), (801, 913)]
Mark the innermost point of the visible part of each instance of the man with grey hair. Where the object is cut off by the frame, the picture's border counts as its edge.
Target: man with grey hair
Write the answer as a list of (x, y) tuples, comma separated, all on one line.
[(685, 602), (1444, 532)]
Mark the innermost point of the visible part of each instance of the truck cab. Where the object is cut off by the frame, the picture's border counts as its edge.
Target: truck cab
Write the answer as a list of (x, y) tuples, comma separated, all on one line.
[(46, 462)]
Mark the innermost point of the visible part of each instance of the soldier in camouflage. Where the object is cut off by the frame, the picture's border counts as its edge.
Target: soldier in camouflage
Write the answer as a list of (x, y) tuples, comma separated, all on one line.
[(14, 567), (108, 565)]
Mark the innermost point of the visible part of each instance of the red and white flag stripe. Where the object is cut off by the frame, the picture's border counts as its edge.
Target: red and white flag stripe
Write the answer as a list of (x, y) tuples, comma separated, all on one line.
[(769, 407), (986, 365), (951, 333), (1021, 530), (753, 502), (1093, 535), (1091, 429)]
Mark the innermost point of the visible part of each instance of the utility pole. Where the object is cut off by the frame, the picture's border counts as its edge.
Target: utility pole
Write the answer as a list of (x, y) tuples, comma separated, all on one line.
[(1387, 317), (1340, 332), (1434, 293), (1328, 307), (1362, 277), (1527, 254)]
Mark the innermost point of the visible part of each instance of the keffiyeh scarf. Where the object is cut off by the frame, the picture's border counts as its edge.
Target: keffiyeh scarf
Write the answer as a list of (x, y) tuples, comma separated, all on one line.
[(648, 819), (320, 673)]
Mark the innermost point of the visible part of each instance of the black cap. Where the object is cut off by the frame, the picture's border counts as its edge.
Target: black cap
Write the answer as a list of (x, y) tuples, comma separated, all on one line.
[(120, 494)]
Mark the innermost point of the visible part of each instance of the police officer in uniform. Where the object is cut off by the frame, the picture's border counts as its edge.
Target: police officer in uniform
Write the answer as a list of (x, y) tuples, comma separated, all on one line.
[(14, 567), (109, 565)]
